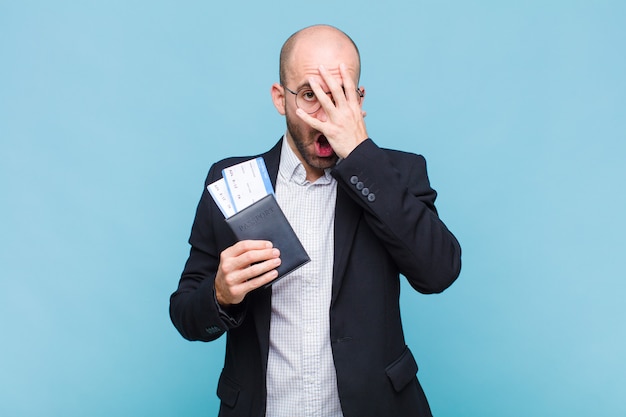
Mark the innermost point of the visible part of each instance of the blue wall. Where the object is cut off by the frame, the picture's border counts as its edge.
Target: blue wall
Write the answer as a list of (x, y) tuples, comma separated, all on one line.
[(111, 113)]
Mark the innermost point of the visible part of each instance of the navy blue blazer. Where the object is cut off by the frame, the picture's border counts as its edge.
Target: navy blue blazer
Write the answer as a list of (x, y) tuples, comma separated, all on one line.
[(386, 225)]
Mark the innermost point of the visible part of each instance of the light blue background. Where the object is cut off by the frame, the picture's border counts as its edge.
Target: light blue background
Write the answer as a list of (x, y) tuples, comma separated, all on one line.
[(111, 113)]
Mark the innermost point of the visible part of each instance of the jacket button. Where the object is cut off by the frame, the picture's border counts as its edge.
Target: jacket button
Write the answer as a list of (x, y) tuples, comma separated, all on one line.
[(213, 330), (365, 191), (354, 179), (371, 197), (359, 185)]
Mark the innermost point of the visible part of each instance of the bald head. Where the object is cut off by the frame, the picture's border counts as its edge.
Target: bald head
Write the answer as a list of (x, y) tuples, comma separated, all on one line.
[(318, 36)]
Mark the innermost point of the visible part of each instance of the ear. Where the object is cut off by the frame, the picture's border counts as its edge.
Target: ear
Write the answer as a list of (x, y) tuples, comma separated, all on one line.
[(278, 97)]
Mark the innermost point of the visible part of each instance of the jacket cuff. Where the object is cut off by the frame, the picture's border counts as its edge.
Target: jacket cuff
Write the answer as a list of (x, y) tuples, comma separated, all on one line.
[(231, 316)]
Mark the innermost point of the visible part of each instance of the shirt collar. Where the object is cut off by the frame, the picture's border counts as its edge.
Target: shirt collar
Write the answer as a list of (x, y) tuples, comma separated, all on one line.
[(291, 169)]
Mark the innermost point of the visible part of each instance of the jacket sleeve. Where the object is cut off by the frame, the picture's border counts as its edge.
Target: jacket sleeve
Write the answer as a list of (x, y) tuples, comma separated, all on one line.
[(399, 205), (194, 310)]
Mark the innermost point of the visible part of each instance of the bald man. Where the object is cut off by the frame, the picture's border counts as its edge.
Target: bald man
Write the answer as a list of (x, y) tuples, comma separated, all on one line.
[(327, 339)]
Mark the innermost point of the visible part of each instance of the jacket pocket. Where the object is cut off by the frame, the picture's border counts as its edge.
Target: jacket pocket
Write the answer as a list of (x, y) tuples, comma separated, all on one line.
[(227, 390), (402, 370)]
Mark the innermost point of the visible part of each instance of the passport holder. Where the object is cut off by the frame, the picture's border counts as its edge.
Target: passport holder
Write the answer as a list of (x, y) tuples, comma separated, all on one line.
[(264, 220)]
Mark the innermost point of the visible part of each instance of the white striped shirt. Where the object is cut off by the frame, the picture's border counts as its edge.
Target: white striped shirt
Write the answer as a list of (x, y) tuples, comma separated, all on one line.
[(301, 377)]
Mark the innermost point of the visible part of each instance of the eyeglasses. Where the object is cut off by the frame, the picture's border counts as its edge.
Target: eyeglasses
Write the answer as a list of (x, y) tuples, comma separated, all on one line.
[(307, 100)]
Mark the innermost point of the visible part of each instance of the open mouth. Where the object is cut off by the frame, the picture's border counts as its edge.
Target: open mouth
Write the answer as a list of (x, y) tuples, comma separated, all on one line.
[(323, 148)]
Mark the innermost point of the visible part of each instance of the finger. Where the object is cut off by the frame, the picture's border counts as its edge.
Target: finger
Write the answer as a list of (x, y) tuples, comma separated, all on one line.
[(244, 246), (311, 121), (247, 245), (336, 88), (348, 83), (255, 270), (234, 262), (234, 293), (256, 262), (321, 95), (259, 281)]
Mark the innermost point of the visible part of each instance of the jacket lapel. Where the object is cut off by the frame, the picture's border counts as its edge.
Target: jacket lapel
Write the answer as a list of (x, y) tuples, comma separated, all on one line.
[(347, 216)]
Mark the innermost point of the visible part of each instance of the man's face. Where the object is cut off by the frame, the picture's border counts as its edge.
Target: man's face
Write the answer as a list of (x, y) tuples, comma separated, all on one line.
[(310, 145)]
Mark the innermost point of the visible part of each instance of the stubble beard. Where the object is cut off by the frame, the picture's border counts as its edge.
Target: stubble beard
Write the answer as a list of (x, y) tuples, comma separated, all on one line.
[(302, 140)]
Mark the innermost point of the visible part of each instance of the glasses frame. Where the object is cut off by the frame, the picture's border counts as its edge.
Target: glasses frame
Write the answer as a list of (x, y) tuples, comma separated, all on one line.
[(295, 93)]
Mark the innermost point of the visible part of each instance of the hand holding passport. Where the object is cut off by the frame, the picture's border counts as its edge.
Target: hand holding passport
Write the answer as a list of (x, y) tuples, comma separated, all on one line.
[(246, 198)]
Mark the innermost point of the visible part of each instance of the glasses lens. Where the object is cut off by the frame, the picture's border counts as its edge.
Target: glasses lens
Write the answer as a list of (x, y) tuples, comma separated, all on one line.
[(307, 100)]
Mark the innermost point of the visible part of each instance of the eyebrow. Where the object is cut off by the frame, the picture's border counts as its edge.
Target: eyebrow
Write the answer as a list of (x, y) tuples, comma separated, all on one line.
[(305, 85), (308, 85)]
